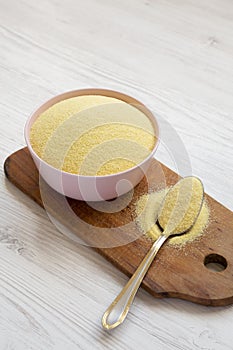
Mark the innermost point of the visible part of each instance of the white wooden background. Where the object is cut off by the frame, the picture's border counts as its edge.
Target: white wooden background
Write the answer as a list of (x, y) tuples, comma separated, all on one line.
[(177, 57)]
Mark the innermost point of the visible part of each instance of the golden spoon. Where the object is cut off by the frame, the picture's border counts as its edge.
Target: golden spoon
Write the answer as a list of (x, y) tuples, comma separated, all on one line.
[(179, 212)]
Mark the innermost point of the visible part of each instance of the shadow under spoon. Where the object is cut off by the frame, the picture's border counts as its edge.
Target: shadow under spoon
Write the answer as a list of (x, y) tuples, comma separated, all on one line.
[(179, 212)]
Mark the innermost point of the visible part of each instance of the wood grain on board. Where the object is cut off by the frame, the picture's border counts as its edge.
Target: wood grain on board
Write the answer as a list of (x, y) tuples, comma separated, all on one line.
[(178, 273)]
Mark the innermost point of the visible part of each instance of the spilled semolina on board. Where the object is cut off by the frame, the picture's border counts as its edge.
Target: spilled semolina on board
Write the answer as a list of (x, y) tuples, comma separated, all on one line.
[(92, 135), (149, 207)]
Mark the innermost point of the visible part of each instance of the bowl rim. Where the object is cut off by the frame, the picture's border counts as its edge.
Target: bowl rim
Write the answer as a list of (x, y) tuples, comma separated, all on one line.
[(91, 91)]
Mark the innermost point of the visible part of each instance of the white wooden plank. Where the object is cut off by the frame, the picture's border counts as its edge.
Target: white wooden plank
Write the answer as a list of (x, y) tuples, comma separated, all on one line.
[(176, 57)]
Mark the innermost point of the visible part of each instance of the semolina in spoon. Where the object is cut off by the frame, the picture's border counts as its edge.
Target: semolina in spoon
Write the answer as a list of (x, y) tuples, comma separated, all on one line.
[(179, 212)]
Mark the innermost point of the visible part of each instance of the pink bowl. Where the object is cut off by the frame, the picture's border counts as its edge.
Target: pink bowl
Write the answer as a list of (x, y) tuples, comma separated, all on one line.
[(91, 188)]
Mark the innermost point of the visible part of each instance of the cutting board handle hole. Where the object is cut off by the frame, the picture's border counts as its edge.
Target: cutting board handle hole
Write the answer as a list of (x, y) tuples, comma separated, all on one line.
[(215, 262)]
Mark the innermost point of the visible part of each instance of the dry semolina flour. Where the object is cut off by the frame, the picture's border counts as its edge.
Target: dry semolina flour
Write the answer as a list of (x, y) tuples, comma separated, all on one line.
[(92, 135), (147, 210)]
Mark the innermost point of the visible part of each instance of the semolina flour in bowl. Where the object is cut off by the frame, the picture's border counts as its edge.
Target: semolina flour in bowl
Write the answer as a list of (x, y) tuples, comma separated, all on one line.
[(92, 135)]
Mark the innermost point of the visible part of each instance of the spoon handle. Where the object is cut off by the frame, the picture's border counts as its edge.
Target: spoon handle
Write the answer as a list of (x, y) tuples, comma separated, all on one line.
[(118, 310)]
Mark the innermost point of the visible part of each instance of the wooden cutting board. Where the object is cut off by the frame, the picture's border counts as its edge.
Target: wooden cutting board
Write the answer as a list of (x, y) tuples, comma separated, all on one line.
[(178, 273)]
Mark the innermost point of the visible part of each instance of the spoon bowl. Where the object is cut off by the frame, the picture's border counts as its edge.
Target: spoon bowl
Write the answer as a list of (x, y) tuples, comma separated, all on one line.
[(181, 206)]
